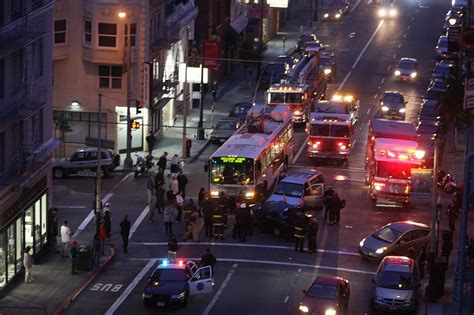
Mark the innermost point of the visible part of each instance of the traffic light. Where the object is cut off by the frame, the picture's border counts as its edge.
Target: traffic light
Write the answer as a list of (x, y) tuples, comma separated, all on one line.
[(135, 124), (139, 106)]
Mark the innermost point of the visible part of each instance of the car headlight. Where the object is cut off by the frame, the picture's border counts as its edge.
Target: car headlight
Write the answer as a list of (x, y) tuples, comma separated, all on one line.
[(393, 12), (326, 15), (249, 194), (327, 71), (338, 15), (361, 243), (397, 73), (385, 108), (179, 296), (297, 112), (147, 295), (381, 250), (214, 193), (402, 110), (330, 311), (413, 75), (382, 12), (303, 308)]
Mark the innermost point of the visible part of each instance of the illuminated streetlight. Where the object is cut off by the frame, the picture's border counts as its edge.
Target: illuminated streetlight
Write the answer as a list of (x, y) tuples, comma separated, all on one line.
[(122, 14), (452, 21)]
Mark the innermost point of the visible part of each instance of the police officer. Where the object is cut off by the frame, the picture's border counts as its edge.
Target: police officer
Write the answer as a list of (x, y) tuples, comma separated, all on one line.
[(300, 233), (218, 221)]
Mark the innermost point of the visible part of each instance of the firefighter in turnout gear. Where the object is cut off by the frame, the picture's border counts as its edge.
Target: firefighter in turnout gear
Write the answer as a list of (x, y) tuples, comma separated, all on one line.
[(300, 233), (218, 218)]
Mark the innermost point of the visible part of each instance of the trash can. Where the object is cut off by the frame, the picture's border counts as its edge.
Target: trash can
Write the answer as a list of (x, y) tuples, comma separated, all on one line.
[(85, 258)]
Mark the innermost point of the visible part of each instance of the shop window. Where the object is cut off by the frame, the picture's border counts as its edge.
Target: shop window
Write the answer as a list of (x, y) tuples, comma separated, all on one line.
[(44, 214), (19, 243), (3, 262), (11, 259), (29, 227), (37, 226)]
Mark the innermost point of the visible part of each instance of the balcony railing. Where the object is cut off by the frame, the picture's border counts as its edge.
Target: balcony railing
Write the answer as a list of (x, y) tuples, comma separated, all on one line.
[(22, 30), (27, 100)]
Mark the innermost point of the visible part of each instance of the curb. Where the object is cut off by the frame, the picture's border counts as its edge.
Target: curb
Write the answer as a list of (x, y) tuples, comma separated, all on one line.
[(198, 154), (84, 284)]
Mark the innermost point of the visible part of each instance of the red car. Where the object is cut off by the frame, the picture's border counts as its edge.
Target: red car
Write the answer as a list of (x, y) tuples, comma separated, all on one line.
[(327, 295)]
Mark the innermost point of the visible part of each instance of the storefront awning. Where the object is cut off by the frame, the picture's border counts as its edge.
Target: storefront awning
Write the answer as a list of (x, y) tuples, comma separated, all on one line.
[(240, 23)]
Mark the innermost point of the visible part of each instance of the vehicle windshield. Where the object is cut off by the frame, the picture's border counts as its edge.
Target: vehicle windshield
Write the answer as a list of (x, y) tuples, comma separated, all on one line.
[(392, 98), (177, 275), (226, 125), (232, 171), (387, 234), (319, 130), (289, 189), (331, 107), (286, 97), (323, 291), (326, 130), (325, 61), (395, 280), (339, 131), (405, 64), (394, 169)]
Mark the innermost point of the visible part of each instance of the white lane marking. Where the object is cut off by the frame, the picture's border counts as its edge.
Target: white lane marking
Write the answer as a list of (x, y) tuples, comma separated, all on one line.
[(300, 150), (375, 96), (353, 144), (388, 68), (399, 45), (394, 56), (90, 216), (130, 287), (367, 44), (382, 81), (123, 179), (355, 6), (138, 221), (341, 252), (286, 299), (299, 270), (277, 263), (219, 292), (71, 207), (344, 81)]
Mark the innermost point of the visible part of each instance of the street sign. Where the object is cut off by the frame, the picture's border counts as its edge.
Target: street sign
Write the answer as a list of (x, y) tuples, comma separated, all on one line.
[(454, 33), (105, 144), (469, 93)]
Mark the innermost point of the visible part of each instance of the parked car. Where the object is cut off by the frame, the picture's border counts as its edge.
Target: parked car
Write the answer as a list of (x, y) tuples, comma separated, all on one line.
[(396, 286), (224, 129), (84, 161), (326, 295), (431, 110), (443, 70), (302, 39), (442, 49), (273, 73), (427, 129), (240, 110), (395, 239)]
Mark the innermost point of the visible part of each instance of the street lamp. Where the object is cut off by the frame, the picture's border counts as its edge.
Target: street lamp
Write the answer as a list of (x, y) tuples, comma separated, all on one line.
[(127, 49), (452, 21)]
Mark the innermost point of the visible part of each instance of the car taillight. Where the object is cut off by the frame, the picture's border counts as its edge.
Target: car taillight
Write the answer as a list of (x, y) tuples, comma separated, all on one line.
[(342, 145), (314, 143)]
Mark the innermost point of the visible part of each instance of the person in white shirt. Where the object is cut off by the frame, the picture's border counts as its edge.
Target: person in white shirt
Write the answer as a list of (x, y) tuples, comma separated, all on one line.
[(65, 238), (28, 264)]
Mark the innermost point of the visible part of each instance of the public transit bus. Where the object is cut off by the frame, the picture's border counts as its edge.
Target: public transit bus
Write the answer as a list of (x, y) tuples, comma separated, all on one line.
[(253, 158)]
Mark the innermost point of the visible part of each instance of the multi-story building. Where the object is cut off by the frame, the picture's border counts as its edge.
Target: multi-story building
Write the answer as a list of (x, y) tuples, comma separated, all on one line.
[(26, 131)]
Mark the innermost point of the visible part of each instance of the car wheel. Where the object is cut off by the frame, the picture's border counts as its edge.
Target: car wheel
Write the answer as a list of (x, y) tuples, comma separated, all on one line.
[(58, 173)]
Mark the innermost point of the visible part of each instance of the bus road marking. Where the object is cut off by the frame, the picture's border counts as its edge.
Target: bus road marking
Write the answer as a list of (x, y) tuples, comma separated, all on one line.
[(300, 150), (219, 292)]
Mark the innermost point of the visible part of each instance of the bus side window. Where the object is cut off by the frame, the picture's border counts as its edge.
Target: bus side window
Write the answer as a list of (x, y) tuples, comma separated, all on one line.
[(258, 169)]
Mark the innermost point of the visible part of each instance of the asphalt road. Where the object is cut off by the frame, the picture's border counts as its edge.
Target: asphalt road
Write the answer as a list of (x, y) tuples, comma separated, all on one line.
[(266, 276)]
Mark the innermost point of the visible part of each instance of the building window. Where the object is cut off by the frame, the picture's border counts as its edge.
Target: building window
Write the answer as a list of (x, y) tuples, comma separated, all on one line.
[(60, 27), (133, 34), (87, 33), (38, 56), (110, 77), (83, 124), (38, 127), (2, 152), (107, 35), (2, 78), (17, 71), (16, 142)]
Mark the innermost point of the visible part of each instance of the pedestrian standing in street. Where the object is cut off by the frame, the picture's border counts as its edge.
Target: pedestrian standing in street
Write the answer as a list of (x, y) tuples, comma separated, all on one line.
[(241, 225), (188, 208), (214, 91), (125, 232), (300, 233), (107, 225), (102, 236), (54, 230), (159, 178), (65, 238), (162, 162), (73, 255), (422, 261), (151, 198), (452, 216), (169, 188), (326, 199), (174, 168), (175, 185), (182, 182), (208, 210), (169, 216), (107, 208), (208, 259), (201, 195), (150, 140), (96, 245), (313, 228), (28, 264), (160, 199), (172, 248), (179, 202)]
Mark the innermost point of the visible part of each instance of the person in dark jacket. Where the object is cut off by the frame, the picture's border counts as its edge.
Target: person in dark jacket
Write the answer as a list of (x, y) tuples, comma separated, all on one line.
[(422, 262), (300, 233), (241, 224), (162, 162), (73, 254), (452, 215), (312, 235), (188, 210), (207, 210), (327, 199), (208, 259), (159, 178), (107, 225), (218, 222), (172, 247), (96, 245), (150, 140), (125, 232), (160, 199), (54, 230), (201, 195), (182, 182)]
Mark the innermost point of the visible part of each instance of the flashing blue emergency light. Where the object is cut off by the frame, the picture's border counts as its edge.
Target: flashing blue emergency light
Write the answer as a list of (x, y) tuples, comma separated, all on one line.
[(164, 262)]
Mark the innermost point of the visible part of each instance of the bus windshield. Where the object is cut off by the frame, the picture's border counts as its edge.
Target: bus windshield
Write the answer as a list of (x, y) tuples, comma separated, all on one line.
[(279, 97), (394, 170), (232, 171)]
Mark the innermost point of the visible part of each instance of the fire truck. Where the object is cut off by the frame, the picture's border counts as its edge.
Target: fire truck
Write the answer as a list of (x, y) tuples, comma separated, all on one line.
[(331, 126), (304, 84), (392, 152)]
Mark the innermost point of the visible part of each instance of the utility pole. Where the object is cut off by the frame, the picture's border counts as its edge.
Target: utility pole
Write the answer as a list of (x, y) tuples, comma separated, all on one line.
[(260, 40), (434, 203), (185, 108), (98, 176), (200, 128), (128, 163)]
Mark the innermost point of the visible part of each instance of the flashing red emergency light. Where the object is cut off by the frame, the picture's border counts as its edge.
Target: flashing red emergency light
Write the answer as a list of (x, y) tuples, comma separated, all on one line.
[(180, 263)]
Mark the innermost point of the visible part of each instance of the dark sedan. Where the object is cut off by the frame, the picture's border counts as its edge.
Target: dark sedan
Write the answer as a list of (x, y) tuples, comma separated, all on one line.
[(431, 110), (278, 217), (303, 39), (395, 239), (427, 129), (443, 70), (240, 110), (327, 295), (273, 73)]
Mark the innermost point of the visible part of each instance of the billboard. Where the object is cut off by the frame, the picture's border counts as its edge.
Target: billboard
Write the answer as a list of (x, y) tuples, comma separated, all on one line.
[(211, 54)]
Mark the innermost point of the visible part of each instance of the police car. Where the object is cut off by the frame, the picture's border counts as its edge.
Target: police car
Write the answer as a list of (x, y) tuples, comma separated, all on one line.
[(172, 282)]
